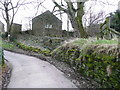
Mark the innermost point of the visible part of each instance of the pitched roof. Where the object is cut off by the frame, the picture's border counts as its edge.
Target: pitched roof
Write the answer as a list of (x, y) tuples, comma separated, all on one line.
[(1, 23), (47, 12)]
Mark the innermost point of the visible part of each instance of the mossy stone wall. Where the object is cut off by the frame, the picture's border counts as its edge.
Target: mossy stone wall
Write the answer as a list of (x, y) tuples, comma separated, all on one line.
[(98, 62)]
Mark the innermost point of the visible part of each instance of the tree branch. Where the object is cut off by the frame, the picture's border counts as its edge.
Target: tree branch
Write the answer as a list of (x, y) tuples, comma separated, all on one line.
[(4, 17), (39, 6), (59, 6)]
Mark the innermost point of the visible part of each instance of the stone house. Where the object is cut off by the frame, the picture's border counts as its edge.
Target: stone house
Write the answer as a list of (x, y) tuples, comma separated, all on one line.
[(1, 27), (46, 24), (16, 29)]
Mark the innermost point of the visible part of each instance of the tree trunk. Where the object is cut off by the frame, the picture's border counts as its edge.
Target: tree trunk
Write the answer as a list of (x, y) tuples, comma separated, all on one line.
[(8, 30), (74, 26), (9, 24), (7, 21), (76, 21), (80, 14)]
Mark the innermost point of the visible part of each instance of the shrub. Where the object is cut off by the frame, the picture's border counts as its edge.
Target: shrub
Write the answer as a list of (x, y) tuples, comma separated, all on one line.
[(33, 49)]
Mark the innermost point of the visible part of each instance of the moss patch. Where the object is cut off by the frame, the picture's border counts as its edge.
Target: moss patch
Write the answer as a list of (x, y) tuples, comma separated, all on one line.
[(8, 45), (79, 42), (105, 42)]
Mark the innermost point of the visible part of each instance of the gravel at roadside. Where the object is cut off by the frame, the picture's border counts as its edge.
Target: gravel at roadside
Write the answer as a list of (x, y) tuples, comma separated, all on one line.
[(6, 74)]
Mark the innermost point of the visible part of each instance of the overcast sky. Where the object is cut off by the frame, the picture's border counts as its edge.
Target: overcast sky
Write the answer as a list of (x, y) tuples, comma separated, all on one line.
[(24, 15)]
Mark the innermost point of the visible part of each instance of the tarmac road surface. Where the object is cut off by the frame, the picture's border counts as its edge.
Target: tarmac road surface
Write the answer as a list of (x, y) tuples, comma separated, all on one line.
[(31, 72)]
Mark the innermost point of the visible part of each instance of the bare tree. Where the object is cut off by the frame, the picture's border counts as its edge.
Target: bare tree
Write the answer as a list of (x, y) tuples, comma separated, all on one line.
[(39, 4), (74, 11), (91, 18), (9, 9)]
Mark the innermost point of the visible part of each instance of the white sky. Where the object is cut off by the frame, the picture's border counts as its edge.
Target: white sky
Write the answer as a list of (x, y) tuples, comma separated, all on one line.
[(24, 15)]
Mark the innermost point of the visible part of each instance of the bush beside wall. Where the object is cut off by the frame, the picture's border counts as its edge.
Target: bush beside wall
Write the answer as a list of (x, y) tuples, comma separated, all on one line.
[(32, 49)]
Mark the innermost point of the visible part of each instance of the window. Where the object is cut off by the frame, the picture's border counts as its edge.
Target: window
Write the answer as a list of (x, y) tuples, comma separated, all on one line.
[(48, 26)]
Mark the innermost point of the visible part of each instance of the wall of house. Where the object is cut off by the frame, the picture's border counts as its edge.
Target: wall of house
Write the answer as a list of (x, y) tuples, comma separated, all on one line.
[(1, 27), (37, 28), (16, 29), (53, 32), (46, 24)]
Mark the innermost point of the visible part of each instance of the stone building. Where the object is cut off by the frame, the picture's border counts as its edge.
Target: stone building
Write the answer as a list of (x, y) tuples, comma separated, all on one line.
[(1, 27), (16, 29), (46, 24)]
